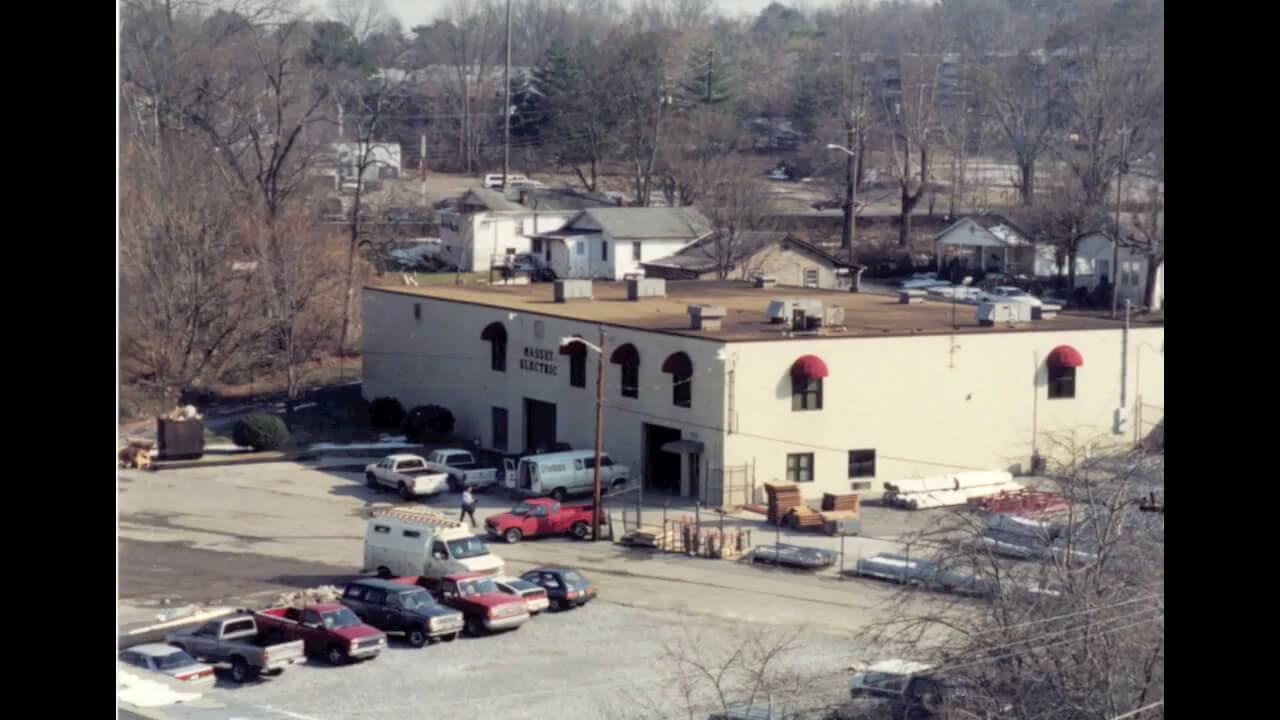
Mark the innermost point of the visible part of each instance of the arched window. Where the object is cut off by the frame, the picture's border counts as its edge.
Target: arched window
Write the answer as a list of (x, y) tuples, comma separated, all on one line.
[(807, 373), (1063, 361), (681, 369), (577, 353), (496, 335), (629, 358)]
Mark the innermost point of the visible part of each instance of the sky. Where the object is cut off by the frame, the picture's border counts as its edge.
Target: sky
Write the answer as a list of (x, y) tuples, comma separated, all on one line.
[(422, 12)]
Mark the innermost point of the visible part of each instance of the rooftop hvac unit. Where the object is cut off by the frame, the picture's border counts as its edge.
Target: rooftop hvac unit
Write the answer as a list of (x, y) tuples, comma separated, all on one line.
[(646, 287), (568, 289), (780, 311), (833, 316)]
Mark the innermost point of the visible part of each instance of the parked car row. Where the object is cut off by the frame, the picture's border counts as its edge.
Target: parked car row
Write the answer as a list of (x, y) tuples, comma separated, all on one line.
[(421, 610)]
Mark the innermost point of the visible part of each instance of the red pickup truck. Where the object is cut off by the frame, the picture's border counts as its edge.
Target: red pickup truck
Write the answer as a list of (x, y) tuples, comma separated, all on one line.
[(328, 629), (478, 598), (542, 516)]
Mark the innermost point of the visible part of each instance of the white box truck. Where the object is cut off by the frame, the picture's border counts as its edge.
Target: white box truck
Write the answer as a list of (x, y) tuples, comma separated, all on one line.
[(411, 541)]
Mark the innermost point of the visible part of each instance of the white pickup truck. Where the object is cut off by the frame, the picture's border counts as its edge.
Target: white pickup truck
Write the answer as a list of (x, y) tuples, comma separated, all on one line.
[(409, 475), (462, 469)]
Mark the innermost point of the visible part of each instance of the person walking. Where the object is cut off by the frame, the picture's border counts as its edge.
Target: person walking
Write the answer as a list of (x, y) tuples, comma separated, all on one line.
[(468, 506)]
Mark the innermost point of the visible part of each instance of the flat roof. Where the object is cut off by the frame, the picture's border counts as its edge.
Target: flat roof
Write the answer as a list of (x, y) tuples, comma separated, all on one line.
[(866, 314)]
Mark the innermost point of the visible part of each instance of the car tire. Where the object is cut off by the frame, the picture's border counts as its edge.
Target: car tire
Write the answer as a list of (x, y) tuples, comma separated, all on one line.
[(417, 637), (404, 493), (450, 637), (580, 530), (240, 670), (371, 481), (618, 485), (455, 485), (562, 605), (336, 655), (275, 673), (512, 535), (558, 494), (384, 573), (475, 626)]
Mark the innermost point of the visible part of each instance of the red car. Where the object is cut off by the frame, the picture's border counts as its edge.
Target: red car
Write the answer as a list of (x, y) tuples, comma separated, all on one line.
[(478, 598), (328, 629), (542, 516)]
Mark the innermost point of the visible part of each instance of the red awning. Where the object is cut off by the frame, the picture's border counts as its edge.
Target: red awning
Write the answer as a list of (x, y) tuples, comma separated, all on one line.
[(678, 364), (809, 366), (1065, 356)]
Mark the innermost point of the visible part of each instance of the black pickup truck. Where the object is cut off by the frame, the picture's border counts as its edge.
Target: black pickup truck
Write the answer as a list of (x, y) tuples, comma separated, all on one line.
[(396, 607)]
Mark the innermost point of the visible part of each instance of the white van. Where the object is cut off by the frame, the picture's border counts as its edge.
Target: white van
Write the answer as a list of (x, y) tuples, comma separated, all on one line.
[(411, 541), (564, 473)]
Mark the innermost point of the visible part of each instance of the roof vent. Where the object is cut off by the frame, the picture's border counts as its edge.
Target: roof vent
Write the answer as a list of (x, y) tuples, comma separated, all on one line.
[(780, 311), (569, 289), (646, 287), (706, 317)]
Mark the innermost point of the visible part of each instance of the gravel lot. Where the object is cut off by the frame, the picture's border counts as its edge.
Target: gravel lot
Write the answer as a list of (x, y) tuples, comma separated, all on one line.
[(602, 660)]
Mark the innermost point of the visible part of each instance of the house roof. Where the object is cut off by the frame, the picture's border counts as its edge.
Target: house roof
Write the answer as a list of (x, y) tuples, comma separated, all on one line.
[(562, 199), (984, 230), (695, 259), (489, 199), (648, 223)]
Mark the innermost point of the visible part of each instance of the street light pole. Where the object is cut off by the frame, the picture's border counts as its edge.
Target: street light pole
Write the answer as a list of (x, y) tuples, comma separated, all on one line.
[(1115, 246), (595, 518)]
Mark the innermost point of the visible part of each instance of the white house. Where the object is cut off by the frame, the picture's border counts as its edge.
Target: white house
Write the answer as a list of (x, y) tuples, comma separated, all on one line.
[(487, 226), (383, 160), (1094, 256), (611, 243)]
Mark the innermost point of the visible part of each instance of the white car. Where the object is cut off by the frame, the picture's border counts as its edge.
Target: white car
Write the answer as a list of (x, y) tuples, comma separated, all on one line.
[(535, 598), (1005, 293), (171, 661)]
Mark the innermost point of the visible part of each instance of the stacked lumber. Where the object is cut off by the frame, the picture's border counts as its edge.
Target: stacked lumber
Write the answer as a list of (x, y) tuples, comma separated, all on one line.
[(644, 536), (310, 596), (847, 501), (830, 518), (801, 516), (781, 499)]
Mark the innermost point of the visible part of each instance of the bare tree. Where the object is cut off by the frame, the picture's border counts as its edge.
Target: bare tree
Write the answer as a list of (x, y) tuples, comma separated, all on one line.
[(473, 50), (363, 18), (641, 66), (742, 214), (1147, 236), (190, 316), (1071, 622)]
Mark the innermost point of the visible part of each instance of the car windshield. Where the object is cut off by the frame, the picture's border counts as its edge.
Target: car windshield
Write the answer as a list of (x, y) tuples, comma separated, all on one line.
[(175, 659), (339, 619), (417, 600), (572, 577), (479, 586), (467, 548), (1014, 293), (521, 585), (521, 509)]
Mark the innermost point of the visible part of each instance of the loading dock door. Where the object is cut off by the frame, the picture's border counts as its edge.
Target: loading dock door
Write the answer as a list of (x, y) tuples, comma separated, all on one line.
[(539, 425), (661, 469)]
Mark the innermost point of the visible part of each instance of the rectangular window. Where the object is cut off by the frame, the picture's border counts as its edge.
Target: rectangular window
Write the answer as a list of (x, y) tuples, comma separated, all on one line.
[(631, 381), (1104, 270), (498, 355), (862, 463), (578, 369), (635, 251), (417, 311), (536, 247), (806, 393), (581, 247), (811, 278), (412, 533), (1062, 382), (511, 251), (682, 390), (604, 250), (800, 467), (381, 529), (499, 428)]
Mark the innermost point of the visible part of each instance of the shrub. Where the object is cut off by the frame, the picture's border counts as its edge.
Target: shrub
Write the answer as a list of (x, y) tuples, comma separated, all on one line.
[(260, 431), (386, 413), (427, 421), (357, 412)]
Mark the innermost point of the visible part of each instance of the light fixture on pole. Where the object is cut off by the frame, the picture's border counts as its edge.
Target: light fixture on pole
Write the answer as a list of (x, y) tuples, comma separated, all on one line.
[(565, 342)]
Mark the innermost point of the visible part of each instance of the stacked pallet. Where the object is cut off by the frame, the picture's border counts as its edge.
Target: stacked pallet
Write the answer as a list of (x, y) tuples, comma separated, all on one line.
[(782, 498), (645, 537), (801, 516), (840, 502), (831, 519)]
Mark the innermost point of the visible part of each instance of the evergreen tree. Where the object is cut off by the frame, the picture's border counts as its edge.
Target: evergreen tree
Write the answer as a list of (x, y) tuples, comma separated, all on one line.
[(707, 79)]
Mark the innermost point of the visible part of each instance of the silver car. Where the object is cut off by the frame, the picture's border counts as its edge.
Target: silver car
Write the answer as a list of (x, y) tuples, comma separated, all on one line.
[(171, 661)]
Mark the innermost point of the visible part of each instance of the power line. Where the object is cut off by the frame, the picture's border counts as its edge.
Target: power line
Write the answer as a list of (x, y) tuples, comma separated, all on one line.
[(1142, 709)]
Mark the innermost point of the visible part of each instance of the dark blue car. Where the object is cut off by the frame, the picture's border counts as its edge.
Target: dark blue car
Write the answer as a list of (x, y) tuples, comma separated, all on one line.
[(567, 588)]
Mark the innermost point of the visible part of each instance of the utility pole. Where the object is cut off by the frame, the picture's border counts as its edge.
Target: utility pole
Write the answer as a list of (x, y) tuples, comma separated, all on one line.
[(1115, 245), (506, 106), (595, 514)]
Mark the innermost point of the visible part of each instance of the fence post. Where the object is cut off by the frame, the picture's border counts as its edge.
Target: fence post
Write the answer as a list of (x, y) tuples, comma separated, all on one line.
[(841, 556), (664, 522)]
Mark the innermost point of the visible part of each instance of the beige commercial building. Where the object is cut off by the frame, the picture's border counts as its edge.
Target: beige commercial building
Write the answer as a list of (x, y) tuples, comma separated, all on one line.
[(888, 391)]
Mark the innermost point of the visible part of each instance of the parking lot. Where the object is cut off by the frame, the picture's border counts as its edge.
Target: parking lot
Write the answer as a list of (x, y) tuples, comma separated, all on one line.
[(239, 535)]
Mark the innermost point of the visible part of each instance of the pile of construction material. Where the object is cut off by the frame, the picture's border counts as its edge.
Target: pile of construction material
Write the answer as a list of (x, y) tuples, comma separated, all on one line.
[(840, 522), (136, 453), (801, 516), (782, 498), (1019, 502), (831, 501), (310, 596), (947, 490), (186, 412)]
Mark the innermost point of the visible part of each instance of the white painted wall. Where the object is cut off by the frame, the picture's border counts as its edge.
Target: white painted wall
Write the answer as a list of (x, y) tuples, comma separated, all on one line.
[(471, 240)]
